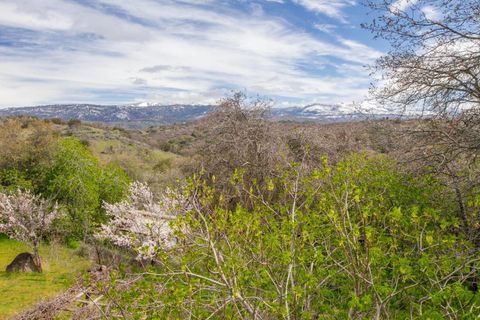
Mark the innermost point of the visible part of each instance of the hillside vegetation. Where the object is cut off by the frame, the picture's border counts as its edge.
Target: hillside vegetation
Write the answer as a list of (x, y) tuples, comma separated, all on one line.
[(236, 216)]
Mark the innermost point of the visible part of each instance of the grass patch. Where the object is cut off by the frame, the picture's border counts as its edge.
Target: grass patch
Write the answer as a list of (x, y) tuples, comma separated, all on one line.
[(22, 290)]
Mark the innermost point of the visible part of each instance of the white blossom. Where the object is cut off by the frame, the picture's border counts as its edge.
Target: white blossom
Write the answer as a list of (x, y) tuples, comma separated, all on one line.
[(26, 217), (141, 223)]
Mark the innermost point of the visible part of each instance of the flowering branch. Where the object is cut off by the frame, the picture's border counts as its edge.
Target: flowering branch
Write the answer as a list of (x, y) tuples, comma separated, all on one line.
[(141, 223)]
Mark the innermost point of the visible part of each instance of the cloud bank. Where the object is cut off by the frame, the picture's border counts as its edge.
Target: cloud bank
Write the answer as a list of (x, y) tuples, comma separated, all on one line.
[(190, 51)]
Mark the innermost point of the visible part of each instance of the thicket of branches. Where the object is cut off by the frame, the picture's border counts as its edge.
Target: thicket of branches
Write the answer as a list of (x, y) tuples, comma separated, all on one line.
[(355, 240), (434, 66)]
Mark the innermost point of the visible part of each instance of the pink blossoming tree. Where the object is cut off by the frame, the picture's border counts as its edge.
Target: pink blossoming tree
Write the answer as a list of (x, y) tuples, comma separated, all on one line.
[(26, 217)]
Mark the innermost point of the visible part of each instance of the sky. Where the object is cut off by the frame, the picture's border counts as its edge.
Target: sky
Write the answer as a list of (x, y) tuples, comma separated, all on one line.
[(294, 52)]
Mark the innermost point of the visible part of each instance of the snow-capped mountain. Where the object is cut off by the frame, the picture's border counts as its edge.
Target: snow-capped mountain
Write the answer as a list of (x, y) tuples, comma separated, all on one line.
[(150, 114), (137, 115), (331, 113)]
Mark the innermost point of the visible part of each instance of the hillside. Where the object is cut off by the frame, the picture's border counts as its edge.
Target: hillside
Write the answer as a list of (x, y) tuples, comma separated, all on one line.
[(130, 149), (229, 180)]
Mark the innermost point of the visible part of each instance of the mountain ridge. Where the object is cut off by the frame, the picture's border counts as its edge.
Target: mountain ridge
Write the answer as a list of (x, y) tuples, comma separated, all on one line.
[(142, 115)]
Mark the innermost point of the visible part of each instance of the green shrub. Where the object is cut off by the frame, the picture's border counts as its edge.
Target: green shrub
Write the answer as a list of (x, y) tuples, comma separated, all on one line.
[(72, 243), (114, 183), (58, 121), (77, 180), (12, 179), (163, 164), (359, 240), (74, 123)]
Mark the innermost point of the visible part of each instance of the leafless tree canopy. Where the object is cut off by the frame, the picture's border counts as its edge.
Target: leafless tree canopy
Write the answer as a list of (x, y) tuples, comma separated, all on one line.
[(434, 63), (433, 66), (242, 138)]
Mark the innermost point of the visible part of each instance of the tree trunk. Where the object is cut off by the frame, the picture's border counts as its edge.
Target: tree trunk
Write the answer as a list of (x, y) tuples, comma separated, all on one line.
[(36, 258), (470, 233), (461, 209)]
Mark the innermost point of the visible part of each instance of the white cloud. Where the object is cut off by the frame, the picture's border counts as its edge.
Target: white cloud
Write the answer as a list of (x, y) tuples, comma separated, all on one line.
[(431, 13), (14, 14), (402, 5), (257, 9), (170, 51), (325, 27), (332, 8)]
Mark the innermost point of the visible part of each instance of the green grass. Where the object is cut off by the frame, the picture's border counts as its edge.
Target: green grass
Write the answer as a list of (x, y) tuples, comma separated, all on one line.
[(19, 291)]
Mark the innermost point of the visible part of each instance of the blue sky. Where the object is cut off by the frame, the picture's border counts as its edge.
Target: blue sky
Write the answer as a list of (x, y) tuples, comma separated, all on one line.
[(295, 52)]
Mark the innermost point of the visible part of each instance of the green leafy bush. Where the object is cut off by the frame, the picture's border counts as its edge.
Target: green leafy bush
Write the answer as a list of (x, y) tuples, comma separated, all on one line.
[(358, 240), (77, 180), (114, 183)]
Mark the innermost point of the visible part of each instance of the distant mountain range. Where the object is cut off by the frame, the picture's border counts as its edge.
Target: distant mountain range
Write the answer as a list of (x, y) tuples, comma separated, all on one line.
[(146, 114)]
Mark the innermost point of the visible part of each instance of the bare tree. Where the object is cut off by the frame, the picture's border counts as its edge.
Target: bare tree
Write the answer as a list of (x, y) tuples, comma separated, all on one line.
[(434, 61), (26, 217), (433, 68), (243, 139)]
